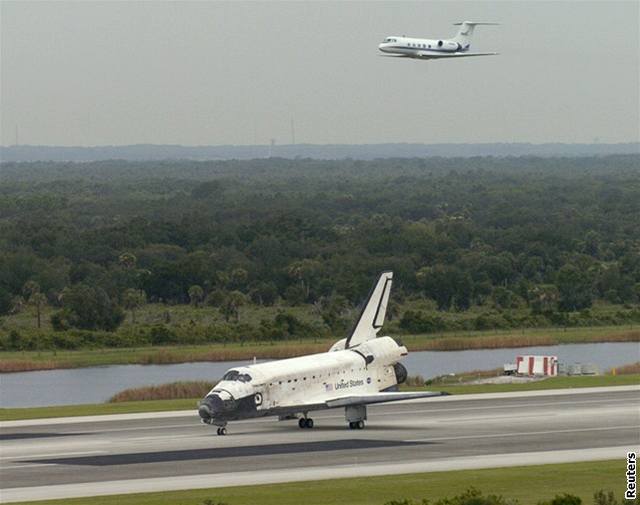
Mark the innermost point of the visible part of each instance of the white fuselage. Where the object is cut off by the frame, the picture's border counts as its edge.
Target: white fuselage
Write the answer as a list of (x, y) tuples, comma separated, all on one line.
[(412, 47), (295, 385)]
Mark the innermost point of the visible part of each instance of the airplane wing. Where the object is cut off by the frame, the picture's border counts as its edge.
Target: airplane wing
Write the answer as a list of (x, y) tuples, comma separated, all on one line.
[(432, 55), (345, 401)]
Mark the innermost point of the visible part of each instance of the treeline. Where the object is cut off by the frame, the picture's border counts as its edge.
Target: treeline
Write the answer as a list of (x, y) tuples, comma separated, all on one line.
[(546, 237)]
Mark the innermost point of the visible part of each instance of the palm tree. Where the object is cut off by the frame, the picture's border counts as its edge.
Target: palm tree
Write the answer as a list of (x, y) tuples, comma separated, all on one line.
[(196, 295), (133, 299), (34, 297)]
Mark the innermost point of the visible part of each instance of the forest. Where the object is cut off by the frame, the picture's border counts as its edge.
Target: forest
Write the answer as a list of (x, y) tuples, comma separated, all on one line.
[(512, 241)]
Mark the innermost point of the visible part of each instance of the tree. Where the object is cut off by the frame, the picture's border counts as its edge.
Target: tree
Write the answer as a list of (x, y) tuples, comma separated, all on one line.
[(5, 301), (31, 291), (196, 295), (304, 271), (133, 299), (264, 293), (447, 286), (89, 308), (575, 288), (543, 299), (238, 278), (231, 305), (333, 309), (503, 297), (127, 260)]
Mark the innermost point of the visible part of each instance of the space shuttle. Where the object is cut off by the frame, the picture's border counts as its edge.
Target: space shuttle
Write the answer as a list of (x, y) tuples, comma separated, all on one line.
[(357, 371)]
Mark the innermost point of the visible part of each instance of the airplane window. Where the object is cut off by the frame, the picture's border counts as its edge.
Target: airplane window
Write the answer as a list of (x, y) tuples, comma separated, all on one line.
[(289, 380)]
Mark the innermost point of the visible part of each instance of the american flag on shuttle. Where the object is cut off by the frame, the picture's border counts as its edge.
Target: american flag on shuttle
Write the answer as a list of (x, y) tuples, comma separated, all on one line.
[(328, 387)]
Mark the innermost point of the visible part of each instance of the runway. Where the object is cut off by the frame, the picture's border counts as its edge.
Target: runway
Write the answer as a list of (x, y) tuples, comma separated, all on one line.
[(154, 452)]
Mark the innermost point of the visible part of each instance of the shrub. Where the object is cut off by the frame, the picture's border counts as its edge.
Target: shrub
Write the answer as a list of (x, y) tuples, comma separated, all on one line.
[(419, 322), (563, 499), (160, 335), (88, 308)]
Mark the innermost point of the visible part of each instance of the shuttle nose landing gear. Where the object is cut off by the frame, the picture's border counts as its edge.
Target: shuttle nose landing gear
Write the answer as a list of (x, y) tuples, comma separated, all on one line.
[(356, 416)]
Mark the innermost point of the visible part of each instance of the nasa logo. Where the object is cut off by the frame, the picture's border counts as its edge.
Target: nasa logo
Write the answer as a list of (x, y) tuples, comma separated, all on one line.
[(368, 380)]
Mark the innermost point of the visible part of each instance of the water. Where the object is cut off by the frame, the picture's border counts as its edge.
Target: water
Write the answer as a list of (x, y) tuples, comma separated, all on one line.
[(98, 384)]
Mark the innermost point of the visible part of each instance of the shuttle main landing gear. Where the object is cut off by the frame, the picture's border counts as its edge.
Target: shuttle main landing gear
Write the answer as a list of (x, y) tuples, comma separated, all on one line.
[(305, 422), (222, 430), (356, 416)]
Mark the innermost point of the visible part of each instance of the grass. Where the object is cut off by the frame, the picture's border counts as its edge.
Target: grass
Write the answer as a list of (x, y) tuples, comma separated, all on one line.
[(550, 383), (128, 407), (44, 360), (172, 391), (631, 368), (97, 409), (527, 484)]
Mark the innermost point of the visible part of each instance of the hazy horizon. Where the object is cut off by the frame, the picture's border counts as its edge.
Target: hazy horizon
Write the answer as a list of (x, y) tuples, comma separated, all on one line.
[(239, 73)]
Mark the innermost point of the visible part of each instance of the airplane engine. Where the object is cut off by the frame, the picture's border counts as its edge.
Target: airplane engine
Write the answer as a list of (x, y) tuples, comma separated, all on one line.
[(401, 373), (447, 45)]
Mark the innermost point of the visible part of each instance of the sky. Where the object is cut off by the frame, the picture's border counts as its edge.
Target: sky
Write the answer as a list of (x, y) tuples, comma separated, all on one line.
[(212, 73)]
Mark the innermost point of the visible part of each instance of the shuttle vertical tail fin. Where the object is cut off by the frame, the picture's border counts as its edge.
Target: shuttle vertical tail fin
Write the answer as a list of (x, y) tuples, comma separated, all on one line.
[(372, 315)]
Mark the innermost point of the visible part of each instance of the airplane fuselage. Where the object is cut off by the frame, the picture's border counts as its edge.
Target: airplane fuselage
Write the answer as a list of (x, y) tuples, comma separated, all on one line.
[(414, 47)]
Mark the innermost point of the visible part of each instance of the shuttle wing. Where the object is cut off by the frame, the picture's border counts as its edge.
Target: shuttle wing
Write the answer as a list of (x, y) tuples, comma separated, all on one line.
[(345, 401), (371, 318)]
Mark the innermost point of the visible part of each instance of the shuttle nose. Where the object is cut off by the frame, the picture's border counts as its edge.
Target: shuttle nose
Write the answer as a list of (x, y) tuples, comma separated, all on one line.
[(209, 407)]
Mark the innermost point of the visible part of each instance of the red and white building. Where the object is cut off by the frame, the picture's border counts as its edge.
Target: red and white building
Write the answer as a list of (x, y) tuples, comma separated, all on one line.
[(537, 365)]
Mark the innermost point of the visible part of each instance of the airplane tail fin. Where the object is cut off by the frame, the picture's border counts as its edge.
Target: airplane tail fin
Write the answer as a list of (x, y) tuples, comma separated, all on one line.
[(463, 37), (372, 315)]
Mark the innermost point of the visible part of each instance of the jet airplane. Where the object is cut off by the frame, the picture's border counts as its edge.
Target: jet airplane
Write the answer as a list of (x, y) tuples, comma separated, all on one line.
[(357, 371), (433, 49)]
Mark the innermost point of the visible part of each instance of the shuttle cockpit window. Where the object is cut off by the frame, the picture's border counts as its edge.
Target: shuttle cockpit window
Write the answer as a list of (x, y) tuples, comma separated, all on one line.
[(234, 375)]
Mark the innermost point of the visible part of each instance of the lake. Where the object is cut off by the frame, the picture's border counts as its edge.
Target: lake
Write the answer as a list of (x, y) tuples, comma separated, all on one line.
[(98, 384)]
